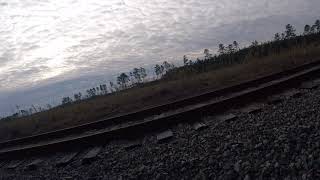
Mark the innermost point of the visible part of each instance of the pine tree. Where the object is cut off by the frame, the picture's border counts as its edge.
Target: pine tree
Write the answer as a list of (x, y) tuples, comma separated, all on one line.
[(306, 29), (122, 80), (277, 37), (185, 60), (290, 31), (221, 49), (236, 45), (317, 25)]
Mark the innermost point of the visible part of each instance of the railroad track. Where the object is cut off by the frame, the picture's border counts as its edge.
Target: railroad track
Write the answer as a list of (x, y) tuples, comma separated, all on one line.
[(135, 124)]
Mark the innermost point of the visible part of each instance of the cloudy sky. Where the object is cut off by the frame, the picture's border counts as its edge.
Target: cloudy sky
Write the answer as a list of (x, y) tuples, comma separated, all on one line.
[(50, 48)]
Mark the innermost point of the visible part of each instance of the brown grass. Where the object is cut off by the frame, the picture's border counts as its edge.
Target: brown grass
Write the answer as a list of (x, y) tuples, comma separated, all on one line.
[(154, 93)]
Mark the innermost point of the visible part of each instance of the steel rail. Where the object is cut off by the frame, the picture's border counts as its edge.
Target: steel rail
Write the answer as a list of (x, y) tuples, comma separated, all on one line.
[(131, 124)]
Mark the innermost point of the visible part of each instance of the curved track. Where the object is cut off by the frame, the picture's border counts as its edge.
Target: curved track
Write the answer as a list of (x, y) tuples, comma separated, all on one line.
[(159, 117)]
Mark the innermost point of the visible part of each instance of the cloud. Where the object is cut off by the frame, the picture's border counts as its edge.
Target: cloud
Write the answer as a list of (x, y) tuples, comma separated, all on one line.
[(45, 42)]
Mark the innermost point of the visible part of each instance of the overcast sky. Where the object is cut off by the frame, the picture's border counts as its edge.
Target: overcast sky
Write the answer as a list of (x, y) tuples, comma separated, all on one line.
[(50, 48)]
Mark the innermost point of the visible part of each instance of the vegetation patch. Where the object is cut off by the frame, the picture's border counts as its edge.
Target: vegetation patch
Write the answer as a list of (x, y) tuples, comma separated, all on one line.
[(132, 91)]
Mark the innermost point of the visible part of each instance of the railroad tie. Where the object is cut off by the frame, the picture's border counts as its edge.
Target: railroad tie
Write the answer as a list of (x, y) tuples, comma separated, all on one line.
[(225, 118), (164, 136), (34, 164), (292, 94), (274, 100), (91, 155), (14, 164), (199, 126), (66, 159), (251, 109), (132, 144), (309, 85), (317, 82)]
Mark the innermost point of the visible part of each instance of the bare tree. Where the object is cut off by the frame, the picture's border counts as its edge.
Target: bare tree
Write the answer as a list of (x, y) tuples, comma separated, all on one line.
[(112, 87), (185, 60), (65, 100), (221, 49), (49, 106), (103, 88), (235, 45), (157, 70), (167, 66), (92, 92), (207, 54), (137, 75), (77, 96), (277, 37), (317, 25), (230, 49), (143, 73), (254, 43), (307, 29), (122, 80), (290, 31)]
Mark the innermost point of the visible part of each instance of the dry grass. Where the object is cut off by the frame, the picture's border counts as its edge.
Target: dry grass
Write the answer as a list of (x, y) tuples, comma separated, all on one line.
[(154, 93)]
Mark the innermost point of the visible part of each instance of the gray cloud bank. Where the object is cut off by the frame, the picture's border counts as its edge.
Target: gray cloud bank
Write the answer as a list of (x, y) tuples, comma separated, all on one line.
[(50, 48)]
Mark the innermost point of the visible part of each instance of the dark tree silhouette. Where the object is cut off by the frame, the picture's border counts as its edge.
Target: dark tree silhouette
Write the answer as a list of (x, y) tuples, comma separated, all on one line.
[(77, 96), (122, 80), (185, 60), (207, 54), (131, 76), (317, 25), (137, 75), (103, 89), (49, 106), (313, 29), (235, 45), (143, 73), (307, 29), (277, 37), (159, 69), (92, 92), (254, 43), (221, 49), (162, 70), (230, 48), (290, 31), (65, 100), (167, 66)]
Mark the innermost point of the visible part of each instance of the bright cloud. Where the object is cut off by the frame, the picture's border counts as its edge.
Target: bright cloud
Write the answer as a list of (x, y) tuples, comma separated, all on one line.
[(46, 41)]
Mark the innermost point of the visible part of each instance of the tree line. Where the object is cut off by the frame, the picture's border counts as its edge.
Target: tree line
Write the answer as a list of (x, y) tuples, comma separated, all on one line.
[(124, 81), (226, 55), (231, 53)]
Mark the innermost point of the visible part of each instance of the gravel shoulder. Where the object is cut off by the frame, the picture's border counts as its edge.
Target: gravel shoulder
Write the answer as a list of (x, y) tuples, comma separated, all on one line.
[(282, 141)]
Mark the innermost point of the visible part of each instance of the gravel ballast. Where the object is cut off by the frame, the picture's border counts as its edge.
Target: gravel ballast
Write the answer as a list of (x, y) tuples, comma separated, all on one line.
[(282, 141)]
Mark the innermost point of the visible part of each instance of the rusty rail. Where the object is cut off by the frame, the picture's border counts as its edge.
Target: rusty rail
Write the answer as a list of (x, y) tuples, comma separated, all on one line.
[(229, 96)]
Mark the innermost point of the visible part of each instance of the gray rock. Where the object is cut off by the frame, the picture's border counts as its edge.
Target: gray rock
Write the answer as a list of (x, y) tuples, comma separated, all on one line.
[(237, 166), (165, 135), (247, 177), (34, 164), (91, 154), (65, 159), (199, 126)]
